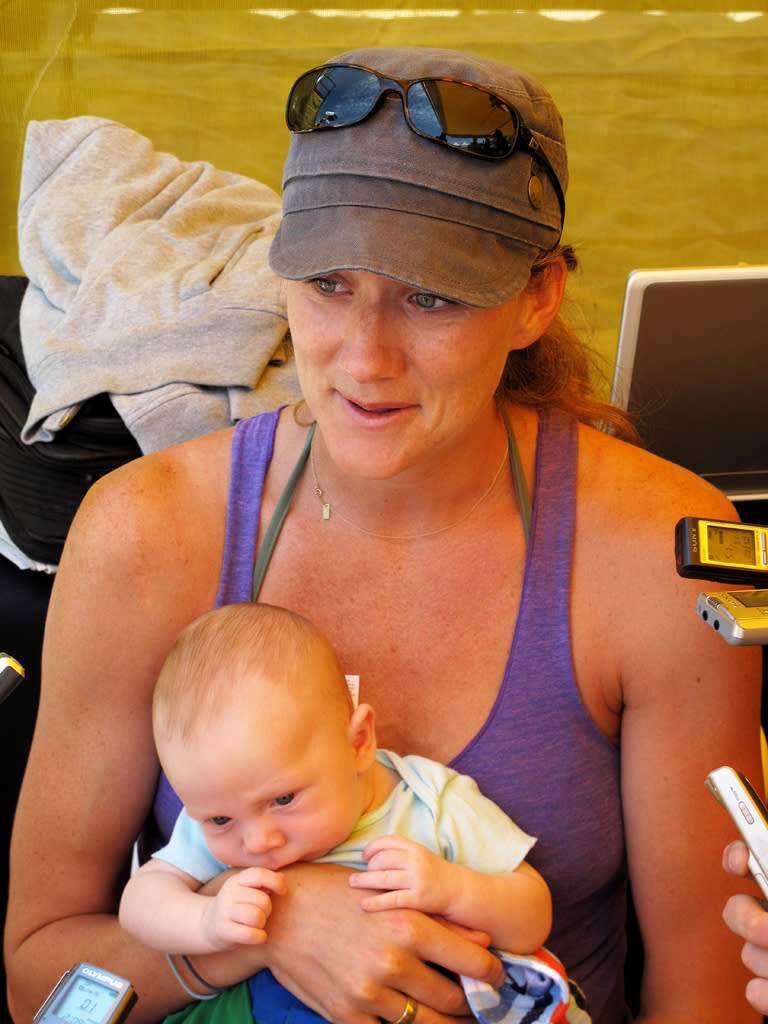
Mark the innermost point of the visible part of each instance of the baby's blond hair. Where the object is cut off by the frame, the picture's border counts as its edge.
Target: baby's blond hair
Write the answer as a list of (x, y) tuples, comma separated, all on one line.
[(226, 653)]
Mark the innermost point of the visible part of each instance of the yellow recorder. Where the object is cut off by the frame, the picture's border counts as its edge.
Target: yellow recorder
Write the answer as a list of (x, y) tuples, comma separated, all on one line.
[(11, 674), (707, 549)]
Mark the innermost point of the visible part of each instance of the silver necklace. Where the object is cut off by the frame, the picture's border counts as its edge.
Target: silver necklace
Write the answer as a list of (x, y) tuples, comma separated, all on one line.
[(326, 509)]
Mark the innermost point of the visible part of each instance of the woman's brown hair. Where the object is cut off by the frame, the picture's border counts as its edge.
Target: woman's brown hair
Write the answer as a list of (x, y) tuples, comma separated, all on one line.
[(561, 370)]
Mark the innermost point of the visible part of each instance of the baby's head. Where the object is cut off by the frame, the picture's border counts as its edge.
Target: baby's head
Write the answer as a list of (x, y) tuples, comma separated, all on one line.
[(243, 656), (256, 732)]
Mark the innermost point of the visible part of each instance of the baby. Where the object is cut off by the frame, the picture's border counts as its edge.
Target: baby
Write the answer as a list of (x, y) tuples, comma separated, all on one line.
[(257, 732)]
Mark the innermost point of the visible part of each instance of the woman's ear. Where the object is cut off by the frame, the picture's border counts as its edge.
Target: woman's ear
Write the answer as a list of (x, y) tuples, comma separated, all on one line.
[(541, 300), (362, 736)]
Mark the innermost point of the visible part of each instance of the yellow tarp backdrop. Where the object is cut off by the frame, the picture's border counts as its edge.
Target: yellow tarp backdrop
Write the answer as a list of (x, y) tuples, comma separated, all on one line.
[(666, 110)]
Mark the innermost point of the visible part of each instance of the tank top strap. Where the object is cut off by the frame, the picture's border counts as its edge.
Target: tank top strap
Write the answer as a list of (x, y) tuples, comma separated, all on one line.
[(554, 509), (278, 517), (253, 444), (543, 624)]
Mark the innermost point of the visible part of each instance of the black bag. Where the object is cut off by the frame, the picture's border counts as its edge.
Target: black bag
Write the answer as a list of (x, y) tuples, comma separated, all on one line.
[(42, 484)]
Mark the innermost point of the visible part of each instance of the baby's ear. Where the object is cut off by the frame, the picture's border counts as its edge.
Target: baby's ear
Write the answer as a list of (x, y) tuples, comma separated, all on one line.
[(362, 735)]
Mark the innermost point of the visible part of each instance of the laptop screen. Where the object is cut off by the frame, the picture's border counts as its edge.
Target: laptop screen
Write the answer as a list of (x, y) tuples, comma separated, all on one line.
[(692, 367)]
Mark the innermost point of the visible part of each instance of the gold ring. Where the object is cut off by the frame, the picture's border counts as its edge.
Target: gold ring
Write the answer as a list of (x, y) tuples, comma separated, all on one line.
[(408, 1014)]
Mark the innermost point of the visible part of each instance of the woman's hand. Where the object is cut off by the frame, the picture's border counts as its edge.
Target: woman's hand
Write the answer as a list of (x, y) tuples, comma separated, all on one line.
[(357, 968), (748, 918)]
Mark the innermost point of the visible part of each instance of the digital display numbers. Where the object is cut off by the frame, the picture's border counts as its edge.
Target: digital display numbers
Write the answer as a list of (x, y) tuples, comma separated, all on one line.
[(86, 994), (731, 545), (710, 549), (86, 1002)]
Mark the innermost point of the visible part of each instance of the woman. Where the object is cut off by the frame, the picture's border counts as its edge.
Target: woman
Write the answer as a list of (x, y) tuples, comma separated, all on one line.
[(566, 670)]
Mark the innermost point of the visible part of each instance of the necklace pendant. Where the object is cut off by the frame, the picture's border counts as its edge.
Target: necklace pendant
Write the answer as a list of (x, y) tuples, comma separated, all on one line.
[(326, 510)]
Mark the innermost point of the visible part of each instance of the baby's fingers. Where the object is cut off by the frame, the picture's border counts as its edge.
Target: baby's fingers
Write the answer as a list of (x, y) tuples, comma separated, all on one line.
[(392, 900), (249, 916), (392, 878), (237, 917), (240, 934), (392, 843), (263, 878)]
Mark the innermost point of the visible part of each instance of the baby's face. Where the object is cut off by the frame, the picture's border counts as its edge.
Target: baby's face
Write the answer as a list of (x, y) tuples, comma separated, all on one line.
[(269, 791)]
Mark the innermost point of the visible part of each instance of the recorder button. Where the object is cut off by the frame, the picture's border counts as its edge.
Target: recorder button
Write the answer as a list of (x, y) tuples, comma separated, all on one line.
[(745, 813)]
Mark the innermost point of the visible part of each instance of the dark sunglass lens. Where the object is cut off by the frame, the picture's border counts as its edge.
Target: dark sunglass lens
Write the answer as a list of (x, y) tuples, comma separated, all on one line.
[(332, 96), (465, 118)]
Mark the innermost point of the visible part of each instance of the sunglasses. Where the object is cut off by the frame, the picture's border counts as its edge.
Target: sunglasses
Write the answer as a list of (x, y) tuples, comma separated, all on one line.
[(464, 116)]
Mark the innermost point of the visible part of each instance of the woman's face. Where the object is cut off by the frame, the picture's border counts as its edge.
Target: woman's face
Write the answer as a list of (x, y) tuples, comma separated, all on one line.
[(392, 373)]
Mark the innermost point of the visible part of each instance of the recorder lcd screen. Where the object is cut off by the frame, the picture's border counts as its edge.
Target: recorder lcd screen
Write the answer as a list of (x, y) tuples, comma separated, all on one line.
[(732, 546), (751, 598)]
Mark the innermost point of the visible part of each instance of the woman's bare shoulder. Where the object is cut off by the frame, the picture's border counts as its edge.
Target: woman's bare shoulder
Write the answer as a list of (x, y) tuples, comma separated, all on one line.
[(157, 508), (629, 503), (627, 480)]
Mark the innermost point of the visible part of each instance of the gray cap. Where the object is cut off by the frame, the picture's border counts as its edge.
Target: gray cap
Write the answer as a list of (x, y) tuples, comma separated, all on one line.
[(377, 197)]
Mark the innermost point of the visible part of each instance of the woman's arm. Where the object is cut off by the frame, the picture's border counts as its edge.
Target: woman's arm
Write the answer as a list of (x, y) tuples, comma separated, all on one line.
[(689, 703), (132, 574), (313, 929), (135, 570)]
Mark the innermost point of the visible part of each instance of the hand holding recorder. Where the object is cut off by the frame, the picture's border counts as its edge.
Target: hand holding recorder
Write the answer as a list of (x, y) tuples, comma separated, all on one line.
[(747, 918), (743, 914)]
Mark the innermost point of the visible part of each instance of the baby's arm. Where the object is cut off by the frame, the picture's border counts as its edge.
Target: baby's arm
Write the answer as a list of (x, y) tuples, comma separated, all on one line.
[(162, 907), (514, 908)]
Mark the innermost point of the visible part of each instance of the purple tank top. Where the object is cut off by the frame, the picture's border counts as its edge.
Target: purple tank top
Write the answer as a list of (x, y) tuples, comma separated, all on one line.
[(538, 755)]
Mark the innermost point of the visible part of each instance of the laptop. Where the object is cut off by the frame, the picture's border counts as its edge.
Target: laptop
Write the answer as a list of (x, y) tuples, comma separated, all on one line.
[(692, 367)]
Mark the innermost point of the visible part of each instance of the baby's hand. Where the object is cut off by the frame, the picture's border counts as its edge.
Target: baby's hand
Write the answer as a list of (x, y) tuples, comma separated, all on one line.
[(237, 914), (410, 875)]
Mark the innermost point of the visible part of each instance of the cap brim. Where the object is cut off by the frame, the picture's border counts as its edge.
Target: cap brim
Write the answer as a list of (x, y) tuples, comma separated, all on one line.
[(439, 256)]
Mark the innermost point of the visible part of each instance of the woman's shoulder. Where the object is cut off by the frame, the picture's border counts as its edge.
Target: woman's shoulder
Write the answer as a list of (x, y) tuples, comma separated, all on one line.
[(629, 502), (175, 497), (172, 472), (625, 479)]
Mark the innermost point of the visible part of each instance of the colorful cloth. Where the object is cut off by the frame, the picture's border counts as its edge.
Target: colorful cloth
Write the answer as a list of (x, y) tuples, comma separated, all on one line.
[(537, 991)]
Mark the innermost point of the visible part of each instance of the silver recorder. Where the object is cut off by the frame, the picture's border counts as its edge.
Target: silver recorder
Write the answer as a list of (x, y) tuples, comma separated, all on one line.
[(739, 616), (748, 813)]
